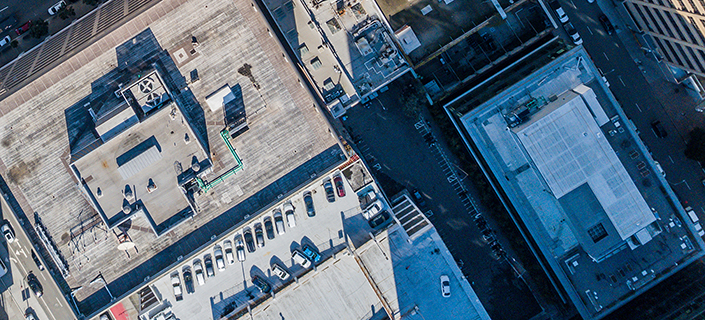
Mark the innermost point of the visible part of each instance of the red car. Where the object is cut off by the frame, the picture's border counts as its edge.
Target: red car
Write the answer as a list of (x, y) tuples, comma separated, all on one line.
[(23, 28), (339, 186)]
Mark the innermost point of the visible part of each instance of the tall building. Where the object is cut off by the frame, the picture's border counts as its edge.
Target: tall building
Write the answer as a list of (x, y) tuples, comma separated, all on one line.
[(677, 29), (569, 167)]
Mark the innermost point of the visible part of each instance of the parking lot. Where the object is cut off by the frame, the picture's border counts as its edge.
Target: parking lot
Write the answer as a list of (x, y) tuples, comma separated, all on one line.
[(324, 232)]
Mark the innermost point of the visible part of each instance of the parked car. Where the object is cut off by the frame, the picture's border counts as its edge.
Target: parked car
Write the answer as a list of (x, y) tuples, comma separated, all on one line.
[(418, 198), (8, 233), (36, 260), (228, 245), (218, 253), (445, 286), (279, 271), (55, 8), (209, 265), (249, 240), (606, 24), (562, 17), (373, 209), (5, 41), (311, 253), (198, 270), (339, 186), (22, 29), (259, 235), (289, 214), (188, 280), (658, 129), (570, 29), (261, 284), (269, 228), (328, 187), (300, 258), (279, 222), (308, 201), (35, 285), (239, 249), (379, 219), (29, 315), (176, 285)]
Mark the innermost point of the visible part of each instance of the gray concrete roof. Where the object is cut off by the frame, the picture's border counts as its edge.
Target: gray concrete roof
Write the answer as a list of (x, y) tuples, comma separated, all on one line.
[(596, 285), (37, 136), (569, 149)]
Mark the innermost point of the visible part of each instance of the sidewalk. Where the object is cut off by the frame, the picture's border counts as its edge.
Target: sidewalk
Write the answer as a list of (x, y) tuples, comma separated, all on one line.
[(676, 102)]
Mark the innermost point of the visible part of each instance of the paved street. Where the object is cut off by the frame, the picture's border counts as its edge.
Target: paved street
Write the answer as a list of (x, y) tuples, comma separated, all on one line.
[(18, 298), (645, 96), (389, 141)]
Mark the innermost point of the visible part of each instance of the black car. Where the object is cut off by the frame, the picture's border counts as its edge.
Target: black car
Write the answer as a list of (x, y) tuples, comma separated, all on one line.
[(261, 284), (330, 194), (188, 281), (658, 129), (308, 201), (609, 28), (34, 284), (419, 198), (379, 219), (259, 235), (209, 266), (269, 228), (249, 241)]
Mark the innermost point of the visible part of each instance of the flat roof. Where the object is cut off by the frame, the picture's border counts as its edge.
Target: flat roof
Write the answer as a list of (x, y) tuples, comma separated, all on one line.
[(275, 161), (156, 143), (345, 47), (569, 150), (561, 224)]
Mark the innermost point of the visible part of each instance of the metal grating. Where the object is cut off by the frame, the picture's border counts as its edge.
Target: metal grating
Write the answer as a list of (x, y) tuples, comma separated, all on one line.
[(51, 50), (133, 5), (80, 32), (110, 13), (21, 70)]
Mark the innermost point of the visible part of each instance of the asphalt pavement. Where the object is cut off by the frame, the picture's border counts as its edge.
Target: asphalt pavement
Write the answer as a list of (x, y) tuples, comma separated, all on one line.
[(401, 157), (17, 296), (639, 83)]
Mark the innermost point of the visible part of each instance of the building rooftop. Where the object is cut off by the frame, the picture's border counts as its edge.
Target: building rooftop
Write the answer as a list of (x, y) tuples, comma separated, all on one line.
[(575, 173), (569, 150), (346, 47), (42, 135)]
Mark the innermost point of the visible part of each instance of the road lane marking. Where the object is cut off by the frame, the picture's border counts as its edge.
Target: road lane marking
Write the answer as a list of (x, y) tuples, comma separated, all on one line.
[(669, 157), (603, 53), (637, 105), (620, 80), (590, 30)]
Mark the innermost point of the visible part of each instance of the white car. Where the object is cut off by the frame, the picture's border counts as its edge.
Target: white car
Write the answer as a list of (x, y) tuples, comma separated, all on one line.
[(279, 222), (445, 286), (218, 253), (176, 283), (4, 41), (55, 8), (299, 258), (228, 245), (198, 270), (570, 29), (239, 248), (289, 214), (373, 209), (562, 17), (279, 271), (7, 232)]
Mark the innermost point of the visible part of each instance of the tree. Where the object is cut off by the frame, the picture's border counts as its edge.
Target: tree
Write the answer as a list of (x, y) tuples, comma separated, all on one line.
[(66, 12), (39, 29), (413, 98), (695, 149)]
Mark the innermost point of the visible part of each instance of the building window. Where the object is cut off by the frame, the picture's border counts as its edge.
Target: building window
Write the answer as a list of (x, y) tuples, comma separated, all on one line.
[(597, 232)]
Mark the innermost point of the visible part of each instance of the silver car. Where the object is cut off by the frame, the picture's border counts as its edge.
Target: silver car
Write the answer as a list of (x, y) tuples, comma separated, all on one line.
[(239, 248), (228, 245), (218, 253), (289, 214), (198, 270)]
